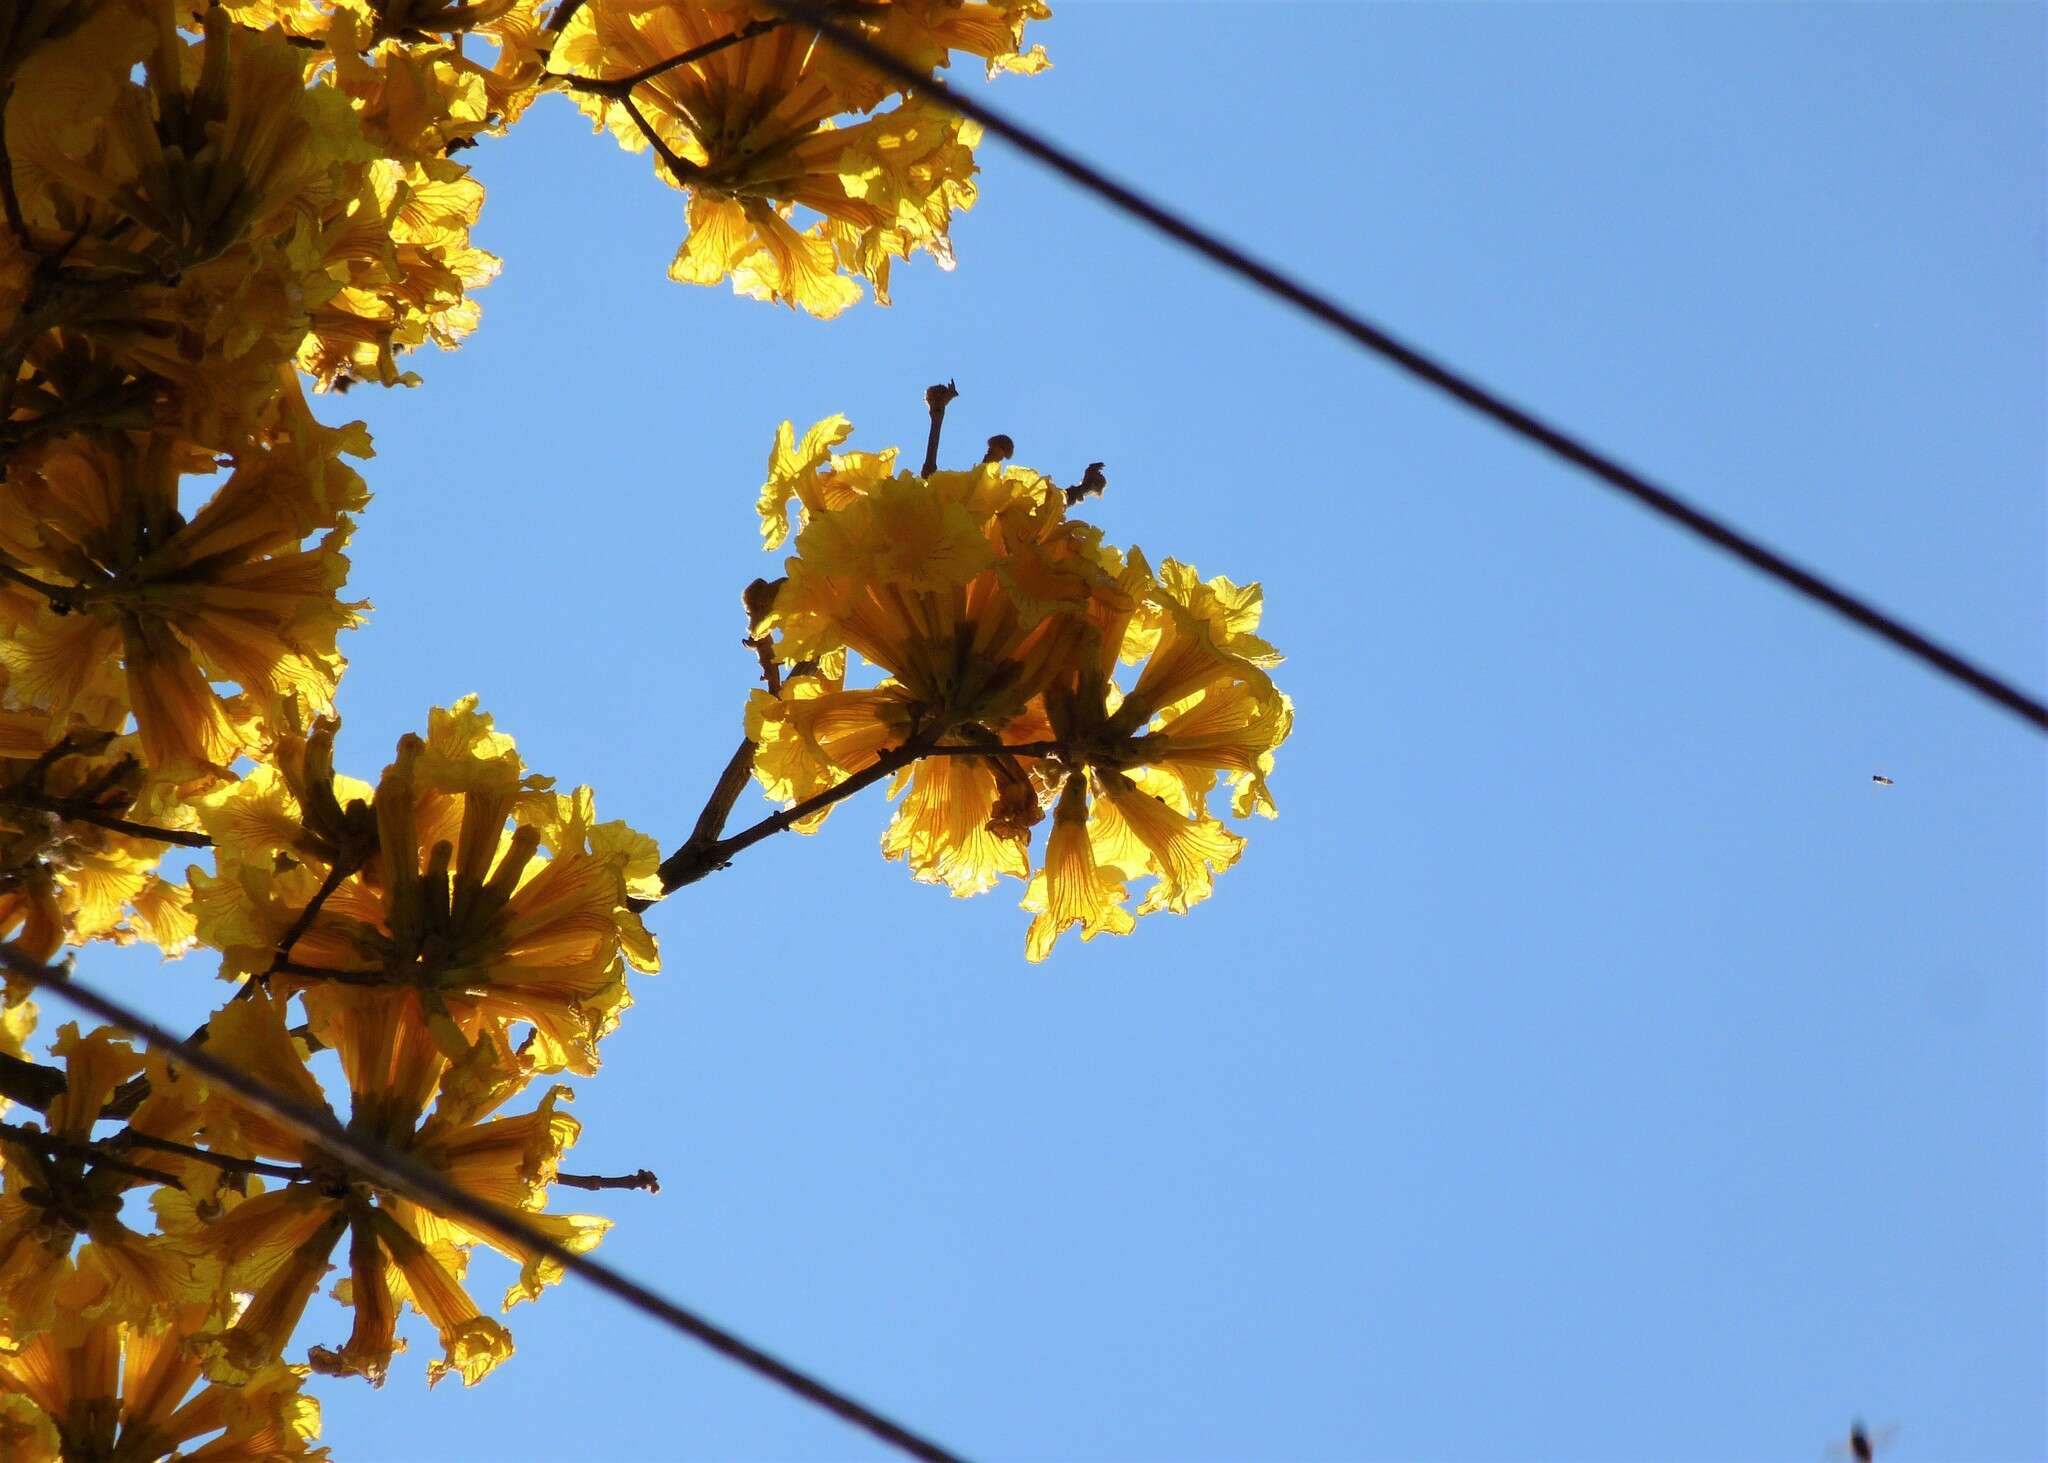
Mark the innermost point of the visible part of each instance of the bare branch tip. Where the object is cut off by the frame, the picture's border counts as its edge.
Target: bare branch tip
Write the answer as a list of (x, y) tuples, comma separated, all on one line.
[(642, 1179), (1091, 485)]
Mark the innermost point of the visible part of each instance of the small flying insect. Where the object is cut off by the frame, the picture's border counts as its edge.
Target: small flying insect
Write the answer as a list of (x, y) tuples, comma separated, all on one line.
[(1881, 780), (1862, 1443)]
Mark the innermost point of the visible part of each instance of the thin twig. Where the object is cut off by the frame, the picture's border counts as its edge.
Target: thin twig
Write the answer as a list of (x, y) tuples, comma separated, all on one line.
[(718, 807), (616, 87), (63, 598), (339, 977), (556, 24), (129, 1095), (79, 811), (763, 647), (29, 1083), (10, 199), (642, 1179), (340, 869), (115, 405), (226, 1162), (936, 400), (684, 170), (71, 744), (676, 870), (82, 804), (109, 409), (1006, 749), (55, 1145), (711, 822)]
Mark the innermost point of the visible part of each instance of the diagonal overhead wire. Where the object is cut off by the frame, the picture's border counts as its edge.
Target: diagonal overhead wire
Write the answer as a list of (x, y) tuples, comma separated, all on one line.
[(397, 1171), (1326, 311)]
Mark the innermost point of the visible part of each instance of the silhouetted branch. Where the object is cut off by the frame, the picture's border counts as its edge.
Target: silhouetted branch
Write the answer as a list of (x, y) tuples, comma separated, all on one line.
[(29, 1083), (641, 1179), (688, 864), (684, 170), (9, 198), (936, 400), (55, 1145), (227, 1162), (340, 869), (63, 598), (616, 87), (78, 810)]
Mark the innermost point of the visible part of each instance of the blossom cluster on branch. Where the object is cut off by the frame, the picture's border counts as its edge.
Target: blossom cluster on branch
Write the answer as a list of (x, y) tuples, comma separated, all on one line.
[(999, 623), (212, 210)]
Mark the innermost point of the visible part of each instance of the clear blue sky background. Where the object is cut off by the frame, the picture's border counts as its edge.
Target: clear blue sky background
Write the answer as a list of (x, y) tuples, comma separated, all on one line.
[(1592, 1063)]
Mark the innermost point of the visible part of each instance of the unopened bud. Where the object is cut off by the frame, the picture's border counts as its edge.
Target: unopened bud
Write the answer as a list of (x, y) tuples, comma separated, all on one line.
[(759, 599), (1091, 485)]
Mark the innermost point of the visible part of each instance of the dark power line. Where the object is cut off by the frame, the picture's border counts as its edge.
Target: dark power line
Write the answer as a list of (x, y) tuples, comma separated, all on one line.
[(1327, 311), (397, 1171)]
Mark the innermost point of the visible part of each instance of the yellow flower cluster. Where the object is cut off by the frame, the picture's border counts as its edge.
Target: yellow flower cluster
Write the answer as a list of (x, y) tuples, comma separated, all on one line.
[(451, 934), (407, 1093), (999, 624), (461, 882), (800, 180), (207, 206), (101, 1352), (125, 1390)]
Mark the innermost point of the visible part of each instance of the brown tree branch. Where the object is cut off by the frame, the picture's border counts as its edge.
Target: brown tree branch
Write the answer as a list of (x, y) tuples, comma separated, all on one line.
[(1005, 749), (120, 405), (340, 977), (226, 1162), (936, 400), (129, 1095), (55, 1145), (63, 598), (687, 864), (340, 869), (684, 170), (556, 24), (711, 822), (82, 804), (17, 224), (78, 810), (30, 1083), (763, 647), (616, 87), (642, 1179)]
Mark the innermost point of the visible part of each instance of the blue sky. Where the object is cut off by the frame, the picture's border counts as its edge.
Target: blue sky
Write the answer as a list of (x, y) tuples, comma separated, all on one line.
[(1591, 1062)]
